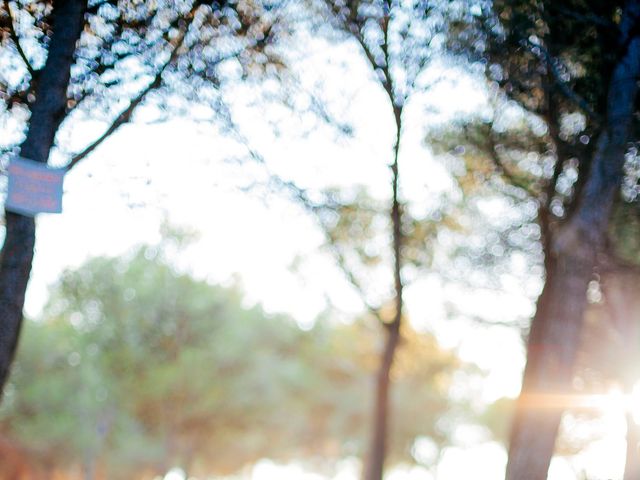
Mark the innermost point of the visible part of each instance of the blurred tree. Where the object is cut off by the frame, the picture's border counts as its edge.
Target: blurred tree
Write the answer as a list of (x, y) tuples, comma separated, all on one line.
[(108, 57), (572, 66), (399, 41), (136, 368), (47, 113)]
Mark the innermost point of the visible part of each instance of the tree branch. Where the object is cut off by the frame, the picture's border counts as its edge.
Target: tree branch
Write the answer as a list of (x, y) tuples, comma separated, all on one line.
[(503, 170), (588, 19), (302, 197), (125, 116), (562, 85), (16, 41), (348, 273), (121, 119)]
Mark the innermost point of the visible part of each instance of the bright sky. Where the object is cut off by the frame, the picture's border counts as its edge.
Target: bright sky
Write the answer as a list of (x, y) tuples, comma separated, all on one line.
[(119, 196)]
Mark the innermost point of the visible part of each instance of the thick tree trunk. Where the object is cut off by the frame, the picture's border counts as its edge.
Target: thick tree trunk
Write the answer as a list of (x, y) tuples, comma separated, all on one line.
[(552, 347), (47, 113), (555, 329)]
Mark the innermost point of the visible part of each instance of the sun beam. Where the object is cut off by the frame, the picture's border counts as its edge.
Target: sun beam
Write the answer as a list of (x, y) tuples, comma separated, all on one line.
[(615, 401)]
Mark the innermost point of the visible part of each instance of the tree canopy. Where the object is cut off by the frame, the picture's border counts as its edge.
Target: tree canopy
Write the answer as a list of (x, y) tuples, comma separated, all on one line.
[(136, 367)]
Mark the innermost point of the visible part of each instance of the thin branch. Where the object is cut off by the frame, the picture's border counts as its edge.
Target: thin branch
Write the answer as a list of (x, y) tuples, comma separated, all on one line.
[(349, 274), (367, 51), (511, 178), (125, 116), (121, 119), (545, 214), (518, 87), (478, 320), (553, 182), (16, 41), (102, 68), (302, 197), (562, 85), (396, 215), (589, 19), (386, 69)]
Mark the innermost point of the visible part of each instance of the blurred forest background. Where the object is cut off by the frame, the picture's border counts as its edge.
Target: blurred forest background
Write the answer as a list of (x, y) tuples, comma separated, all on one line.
[(322, 239)]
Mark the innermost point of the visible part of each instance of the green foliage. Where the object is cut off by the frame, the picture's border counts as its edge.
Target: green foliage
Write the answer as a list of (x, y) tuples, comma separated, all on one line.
[(545, 66), (624, 230), (551, 64), (137, 367)]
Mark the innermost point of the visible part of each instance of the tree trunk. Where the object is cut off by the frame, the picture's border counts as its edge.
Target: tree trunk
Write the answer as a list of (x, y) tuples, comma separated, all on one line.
[(556, 326), (551, 351), (374, 467), (47, 114)]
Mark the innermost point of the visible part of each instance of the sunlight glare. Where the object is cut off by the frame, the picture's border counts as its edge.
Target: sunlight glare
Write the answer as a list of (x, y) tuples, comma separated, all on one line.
[(614, 402), (634, 403), (175, 474)]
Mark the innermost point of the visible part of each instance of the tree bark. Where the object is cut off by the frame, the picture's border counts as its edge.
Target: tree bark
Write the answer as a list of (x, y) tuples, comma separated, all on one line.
[(556, 326), (374, 467), (551, 351), (47, 114)]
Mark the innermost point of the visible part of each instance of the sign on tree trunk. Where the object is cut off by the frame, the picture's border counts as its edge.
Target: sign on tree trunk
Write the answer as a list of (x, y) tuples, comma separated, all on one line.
[(34, 187)]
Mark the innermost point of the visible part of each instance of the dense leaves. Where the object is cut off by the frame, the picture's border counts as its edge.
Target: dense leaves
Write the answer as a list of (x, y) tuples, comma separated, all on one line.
[(136, 367)]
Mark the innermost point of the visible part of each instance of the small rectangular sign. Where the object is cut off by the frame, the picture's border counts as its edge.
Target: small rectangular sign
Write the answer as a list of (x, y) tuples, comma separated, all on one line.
[(34, 187)]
